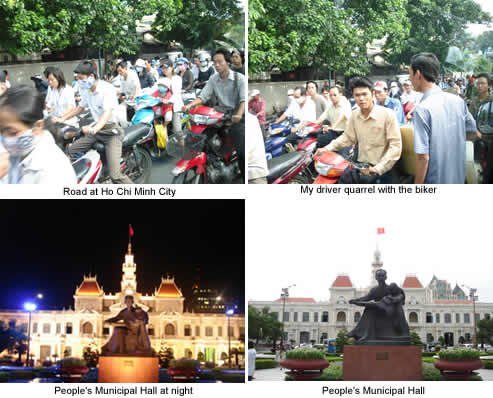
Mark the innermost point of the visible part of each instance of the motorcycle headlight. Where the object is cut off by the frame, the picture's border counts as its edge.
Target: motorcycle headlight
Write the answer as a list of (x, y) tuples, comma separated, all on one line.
[(323, 168), (199, 119)]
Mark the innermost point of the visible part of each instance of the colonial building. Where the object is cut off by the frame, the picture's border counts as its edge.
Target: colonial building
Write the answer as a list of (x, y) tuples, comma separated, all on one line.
[(432, 311), (55, 334)]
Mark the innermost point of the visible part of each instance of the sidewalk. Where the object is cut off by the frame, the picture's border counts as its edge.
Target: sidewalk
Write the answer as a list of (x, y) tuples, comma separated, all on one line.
[(275, 374)]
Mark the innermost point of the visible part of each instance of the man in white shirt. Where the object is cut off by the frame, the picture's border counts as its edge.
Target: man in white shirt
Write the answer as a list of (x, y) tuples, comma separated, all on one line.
[(301, 108), (100, 97), (409, 99), (338, 113), (129, 86)]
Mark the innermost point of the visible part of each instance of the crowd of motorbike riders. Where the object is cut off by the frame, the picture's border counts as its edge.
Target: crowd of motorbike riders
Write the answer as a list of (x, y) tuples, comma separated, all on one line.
[(363, 124), (29, 150)]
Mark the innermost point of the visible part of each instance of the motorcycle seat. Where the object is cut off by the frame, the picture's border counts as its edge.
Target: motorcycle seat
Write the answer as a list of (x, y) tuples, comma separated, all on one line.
[(278, 165), (134, 133)]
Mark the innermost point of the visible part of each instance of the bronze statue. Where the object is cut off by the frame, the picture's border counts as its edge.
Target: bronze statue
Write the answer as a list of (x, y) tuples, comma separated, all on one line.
[(383, 322), (129, 336)]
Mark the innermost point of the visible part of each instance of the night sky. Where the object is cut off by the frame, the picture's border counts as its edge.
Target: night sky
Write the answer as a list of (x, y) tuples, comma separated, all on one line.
[(47, 246)]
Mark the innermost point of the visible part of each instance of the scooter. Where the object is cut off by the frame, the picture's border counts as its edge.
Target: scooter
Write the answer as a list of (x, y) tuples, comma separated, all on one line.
[(290, 168), (277, 138), (331, 165), (207, 153)]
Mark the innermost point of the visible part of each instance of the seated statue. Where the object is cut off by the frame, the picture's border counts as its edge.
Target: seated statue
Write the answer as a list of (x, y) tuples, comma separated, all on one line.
[(129, 332), (383, 322)]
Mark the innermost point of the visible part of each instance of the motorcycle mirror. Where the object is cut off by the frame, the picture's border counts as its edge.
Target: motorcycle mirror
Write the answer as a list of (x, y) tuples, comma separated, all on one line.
[(484, 118)]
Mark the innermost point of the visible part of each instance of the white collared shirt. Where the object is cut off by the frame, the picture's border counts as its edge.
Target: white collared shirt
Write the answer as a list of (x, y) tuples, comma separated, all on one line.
[(61, 100), (46, 164), (102, 99), (127, 86)]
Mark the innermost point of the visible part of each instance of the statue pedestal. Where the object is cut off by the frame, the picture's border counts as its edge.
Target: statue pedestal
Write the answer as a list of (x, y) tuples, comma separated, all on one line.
[(128, 369), (382, 363)]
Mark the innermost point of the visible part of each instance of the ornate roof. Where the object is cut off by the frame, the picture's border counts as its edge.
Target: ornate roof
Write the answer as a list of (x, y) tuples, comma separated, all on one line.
[(89, 287), (342, 281), (412, 282), (168, 288)]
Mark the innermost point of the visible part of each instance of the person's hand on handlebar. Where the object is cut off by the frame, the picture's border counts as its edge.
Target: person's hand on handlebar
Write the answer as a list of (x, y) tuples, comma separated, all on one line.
[(236, 118), (369, 171)]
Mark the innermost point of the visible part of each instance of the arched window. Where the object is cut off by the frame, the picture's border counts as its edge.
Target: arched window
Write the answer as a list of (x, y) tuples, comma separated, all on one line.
[(188, 353), (341, 316), (169, 330), (413, 317), (357, 316), (87, 328)]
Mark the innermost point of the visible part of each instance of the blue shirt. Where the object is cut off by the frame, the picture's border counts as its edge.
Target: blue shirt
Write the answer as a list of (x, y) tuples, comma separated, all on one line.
[(441, 121), (396, 106)]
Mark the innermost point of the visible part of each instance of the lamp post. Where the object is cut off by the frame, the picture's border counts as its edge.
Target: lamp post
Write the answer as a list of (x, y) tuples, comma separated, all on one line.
[(229, 313), (284, 296), (473, 297), (29, 307)]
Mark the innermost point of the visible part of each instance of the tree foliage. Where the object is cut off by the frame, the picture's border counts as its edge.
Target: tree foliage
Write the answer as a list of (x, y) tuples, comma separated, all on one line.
[(263, 325), (13, 339), (415, 339), (342, 339), (318, 33), (485, 331), (30, 26), (436, 25), (90, 354), (198, 23)]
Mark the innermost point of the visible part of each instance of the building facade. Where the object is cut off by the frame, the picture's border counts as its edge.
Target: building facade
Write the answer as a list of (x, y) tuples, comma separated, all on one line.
[(60, 333), (432, 311)]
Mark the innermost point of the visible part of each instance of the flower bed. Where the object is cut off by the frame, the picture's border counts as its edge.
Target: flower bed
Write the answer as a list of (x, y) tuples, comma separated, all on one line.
[(305, 363), (458, 363)]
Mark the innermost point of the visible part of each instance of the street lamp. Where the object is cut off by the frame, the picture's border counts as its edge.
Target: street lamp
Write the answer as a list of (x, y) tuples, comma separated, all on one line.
[(473, 297), (229, 313), (29, 307), (284, 296)]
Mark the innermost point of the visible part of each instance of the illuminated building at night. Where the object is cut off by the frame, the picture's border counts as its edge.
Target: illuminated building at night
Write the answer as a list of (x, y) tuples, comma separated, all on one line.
[(55, 334)]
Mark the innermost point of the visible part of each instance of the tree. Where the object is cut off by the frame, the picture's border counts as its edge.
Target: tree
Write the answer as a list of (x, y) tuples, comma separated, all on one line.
[(485, 331), (13, 339), (197, 23), (201, 356), (91, 355), (341, 340), (462, 340), (415, 339), (316, 33), (30, 26), (436, 26), (485, 41), (165, 355), (264, 325), (441, 340)]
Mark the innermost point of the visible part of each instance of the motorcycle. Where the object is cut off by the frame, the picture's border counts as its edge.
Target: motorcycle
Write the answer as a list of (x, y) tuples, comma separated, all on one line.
[(290, 168), (277, 138), (207, 153), (90, 167), (331, 165)]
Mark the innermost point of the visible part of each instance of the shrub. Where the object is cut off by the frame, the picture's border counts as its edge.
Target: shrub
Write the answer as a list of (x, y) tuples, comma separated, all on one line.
[(184, 363), (428, 354), (4, 377), (459, 353), (430, 373), (305, 353), (265, 364), (332, 373), (21, 375), (488, 364), (72, 362)]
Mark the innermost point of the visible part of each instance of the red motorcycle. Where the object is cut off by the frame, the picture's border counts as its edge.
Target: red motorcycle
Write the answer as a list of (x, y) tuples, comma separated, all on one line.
[(207, 153), (290, 168), (331, 165)]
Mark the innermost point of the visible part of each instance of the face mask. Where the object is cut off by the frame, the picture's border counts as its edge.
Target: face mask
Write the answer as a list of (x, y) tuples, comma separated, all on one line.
[(182, 67), (139, 69), (163, 90), (300, 100), (88, 83), (19, 146)]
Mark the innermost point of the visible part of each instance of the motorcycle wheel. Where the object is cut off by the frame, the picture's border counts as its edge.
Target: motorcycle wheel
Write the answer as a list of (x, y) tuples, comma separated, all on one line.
[(188, 177), (299, 179), (155, 153), (139, 165)]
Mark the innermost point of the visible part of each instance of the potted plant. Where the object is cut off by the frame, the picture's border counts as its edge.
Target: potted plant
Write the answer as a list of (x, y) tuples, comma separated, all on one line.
[(72, 370), (458, 363), (184, 369), (305, 363)]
